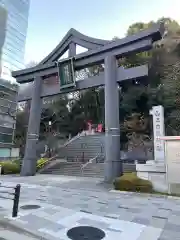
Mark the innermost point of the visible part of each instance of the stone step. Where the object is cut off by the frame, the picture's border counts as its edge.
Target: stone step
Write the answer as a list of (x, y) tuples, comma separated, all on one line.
[(91, 170)]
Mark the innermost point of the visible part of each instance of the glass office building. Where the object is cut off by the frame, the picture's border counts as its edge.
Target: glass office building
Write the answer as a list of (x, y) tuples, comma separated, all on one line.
[(16, 23), (13, 31)]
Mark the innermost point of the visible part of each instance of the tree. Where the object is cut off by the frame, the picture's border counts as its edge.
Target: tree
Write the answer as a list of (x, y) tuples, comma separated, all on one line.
[(20, 131), (137, 127)]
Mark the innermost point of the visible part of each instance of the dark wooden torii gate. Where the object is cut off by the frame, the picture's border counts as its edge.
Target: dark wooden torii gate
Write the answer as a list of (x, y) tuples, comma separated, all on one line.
[(100, 51)]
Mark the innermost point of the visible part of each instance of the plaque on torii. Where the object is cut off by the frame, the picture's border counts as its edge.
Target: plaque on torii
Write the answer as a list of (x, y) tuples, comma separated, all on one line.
[(66, 74), (100, 52)]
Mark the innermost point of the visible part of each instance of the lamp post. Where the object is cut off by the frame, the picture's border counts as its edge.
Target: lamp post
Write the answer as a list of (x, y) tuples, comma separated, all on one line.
[(49, 132), (50, 124)]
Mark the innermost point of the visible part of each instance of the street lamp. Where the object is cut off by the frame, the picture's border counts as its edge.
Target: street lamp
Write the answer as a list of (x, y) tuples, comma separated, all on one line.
[(49, 132)]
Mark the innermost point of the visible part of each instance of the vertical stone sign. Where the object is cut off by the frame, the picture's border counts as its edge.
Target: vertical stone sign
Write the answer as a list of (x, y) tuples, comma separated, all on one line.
[(158, 131)]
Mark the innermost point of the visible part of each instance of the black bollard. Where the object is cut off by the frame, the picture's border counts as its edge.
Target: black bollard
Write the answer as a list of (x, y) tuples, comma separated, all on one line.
[(16, 200)]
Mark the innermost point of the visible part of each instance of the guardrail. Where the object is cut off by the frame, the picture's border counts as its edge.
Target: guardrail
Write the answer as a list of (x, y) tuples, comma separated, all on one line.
[(15, 199)]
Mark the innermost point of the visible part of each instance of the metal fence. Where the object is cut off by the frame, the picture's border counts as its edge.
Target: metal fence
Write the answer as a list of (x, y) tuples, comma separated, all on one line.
[(14, 196)]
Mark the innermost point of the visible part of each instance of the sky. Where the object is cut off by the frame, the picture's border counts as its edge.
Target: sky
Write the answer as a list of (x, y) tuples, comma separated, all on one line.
[(49, 20)]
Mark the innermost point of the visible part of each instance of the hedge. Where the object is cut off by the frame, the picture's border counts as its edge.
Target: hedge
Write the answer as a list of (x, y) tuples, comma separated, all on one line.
[(130, 182), (41, 162), (9, 167), (14, 167)]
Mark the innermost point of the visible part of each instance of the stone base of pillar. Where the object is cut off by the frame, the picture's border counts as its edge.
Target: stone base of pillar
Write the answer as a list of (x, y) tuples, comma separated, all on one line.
[(154, 172), (112, 170), (28, 167)]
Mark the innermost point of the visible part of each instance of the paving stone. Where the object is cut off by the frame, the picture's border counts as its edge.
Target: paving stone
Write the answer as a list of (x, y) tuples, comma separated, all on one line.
[(55, 227), (86, 199), (174, 219), (103, 203), (159, 217), (126, 216), (161, 213), (177, 213), (148, 213), (85, 211), (93, 223), (8, 234), (172, 227), (166, 209), (139, 220), (134, 210), (114, 230), (82, 205), (93, 196), (57, 202), (35, 222), (50, 210), (169, 235), (41, 200), (61, 213), (48, 236), (113, 216), (123, 207), (41, 214), (150, 233), (157, 222)]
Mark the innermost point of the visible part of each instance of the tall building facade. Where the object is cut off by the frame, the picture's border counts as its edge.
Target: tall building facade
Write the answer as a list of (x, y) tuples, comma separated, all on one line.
[(15, 27), (13, 30)]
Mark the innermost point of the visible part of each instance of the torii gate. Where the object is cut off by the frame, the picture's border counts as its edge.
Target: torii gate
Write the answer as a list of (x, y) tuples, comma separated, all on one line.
[(100, 51)]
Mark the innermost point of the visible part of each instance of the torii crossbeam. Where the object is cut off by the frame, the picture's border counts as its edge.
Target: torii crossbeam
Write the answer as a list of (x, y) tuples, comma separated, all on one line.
[(101, 51)]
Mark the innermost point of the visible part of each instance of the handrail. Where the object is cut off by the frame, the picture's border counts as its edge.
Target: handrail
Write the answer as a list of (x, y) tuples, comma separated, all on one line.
[(74, 138), (90, 161), (64, 145), (43, 164)]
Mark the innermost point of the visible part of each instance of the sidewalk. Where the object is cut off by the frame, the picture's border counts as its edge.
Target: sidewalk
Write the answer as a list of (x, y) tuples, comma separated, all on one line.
[(10, 232), (63, 203)]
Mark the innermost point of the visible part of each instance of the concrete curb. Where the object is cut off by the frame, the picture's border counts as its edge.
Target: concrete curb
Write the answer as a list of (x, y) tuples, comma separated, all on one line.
[(9, 225), (145, 194)]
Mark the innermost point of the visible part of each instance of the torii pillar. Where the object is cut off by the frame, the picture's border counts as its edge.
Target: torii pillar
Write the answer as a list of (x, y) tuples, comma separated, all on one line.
[(113, 165), (29, 162)]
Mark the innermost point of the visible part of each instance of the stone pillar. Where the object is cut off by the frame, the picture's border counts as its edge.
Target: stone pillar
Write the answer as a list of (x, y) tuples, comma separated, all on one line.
[(113, 164), (155, 170), (157, 113), (72, 49), (30, 157)]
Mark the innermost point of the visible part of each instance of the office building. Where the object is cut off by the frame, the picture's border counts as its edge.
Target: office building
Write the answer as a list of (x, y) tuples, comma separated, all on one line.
[(13, 30)]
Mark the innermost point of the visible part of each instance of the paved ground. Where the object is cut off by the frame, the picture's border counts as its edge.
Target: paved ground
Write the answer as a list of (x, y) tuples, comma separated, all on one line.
[(9, 233), (66, 202)]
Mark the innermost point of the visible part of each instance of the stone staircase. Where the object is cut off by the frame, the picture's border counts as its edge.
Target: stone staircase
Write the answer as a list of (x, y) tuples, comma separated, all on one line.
[(82, 156), (97, 169), (82, 148), (93, 170), (76, 169), (65, 168)]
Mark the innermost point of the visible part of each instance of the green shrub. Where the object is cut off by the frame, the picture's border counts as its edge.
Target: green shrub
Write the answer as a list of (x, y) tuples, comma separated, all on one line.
[(17, 161), (9, 167), (130, 182), (41, 162), (14, 167)]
